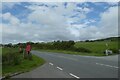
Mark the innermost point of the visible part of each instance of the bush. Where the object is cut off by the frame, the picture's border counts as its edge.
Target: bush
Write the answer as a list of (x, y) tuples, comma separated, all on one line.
[(11, 59), (63, 45), (114, 50), (17, 59)]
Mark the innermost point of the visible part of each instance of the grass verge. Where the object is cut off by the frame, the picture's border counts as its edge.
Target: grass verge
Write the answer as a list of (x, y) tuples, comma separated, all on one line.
[(25, 65), (72, 52)]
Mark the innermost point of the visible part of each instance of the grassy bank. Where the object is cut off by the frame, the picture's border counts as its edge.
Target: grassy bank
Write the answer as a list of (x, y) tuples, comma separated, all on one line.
[(71, 52), (96, 48), (24, 64)]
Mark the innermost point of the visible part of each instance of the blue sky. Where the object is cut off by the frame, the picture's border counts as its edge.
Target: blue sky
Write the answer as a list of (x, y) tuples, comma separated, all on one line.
[(28, 21)]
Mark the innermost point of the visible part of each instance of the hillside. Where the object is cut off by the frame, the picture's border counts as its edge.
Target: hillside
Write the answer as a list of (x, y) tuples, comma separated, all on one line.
[(99, 46), (109, 39)]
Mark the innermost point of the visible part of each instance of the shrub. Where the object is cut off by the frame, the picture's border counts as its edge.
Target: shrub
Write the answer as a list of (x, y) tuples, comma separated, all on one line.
[(16, 59), (11, 59), (63, 45), (114, 50)]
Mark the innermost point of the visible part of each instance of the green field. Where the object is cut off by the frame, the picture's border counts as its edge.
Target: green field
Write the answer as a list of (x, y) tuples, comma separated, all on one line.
[(23, 66), (98, 47)]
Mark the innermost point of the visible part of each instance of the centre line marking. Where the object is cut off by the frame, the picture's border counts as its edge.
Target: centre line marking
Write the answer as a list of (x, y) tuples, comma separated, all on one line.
[(60, 68), (74, 76), (107, 65), (51, 64)]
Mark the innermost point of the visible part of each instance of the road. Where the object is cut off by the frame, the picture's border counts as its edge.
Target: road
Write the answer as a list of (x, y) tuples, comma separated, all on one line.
[(74, 66)]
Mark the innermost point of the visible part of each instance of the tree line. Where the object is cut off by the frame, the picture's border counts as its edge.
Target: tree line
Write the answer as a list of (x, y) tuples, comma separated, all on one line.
[(55, 45)]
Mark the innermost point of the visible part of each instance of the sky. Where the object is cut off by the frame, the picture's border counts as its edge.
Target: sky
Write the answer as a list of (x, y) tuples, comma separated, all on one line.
[(49, 21)]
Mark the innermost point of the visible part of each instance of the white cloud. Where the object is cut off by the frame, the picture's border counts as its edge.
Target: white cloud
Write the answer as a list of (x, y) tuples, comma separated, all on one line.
[(35, 32), (109, 22), (48, 24), (107, 27), (83, 31), (11, 19), (47, 18)]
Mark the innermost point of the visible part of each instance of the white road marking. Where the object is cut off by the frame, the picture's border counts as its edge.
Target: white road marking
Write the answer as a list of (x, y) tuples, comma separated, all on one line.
[(51, 64), (107, 65), (74, 76), (60, 68)]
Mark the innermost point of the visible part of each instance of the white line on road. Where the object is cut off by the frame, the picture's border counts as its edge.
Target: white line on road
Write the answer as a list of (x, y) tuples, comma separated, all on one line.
[(74, 76), (107, 65), (51, 64), (60, 68)]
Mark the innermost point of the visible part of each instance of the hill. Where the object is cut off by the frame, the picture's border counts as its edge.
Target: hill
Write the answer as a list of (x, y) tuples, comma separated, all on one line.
[(109, 39), (99, 46)]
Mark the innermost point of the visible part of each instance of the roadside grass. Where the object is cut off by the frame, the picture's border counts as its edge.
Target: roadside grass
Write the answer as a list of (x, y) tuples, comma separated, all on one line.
[(71, 52), (25, 64), (9, 50)]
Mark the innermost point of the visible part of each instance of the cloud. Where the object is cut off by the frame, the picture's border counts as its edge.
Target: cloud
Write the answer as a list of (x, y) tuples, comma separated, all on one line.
[(107, 27), (52, 21), (53, 26), (47, 29), (10, 19), (109, 22), (113, 3), (84, 9), (9, 5), (84, 32), (48, 18)]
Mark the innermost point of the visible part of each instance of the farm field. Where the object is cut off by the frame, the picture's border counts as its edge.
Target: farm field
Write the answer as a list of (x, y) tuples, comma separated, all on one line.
[(98, 47)]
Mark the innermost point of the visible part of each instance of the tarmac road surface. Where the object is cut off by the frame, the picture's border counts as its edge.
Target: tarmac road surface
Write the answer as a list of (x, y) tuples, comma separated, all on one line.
[(60, 65)]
